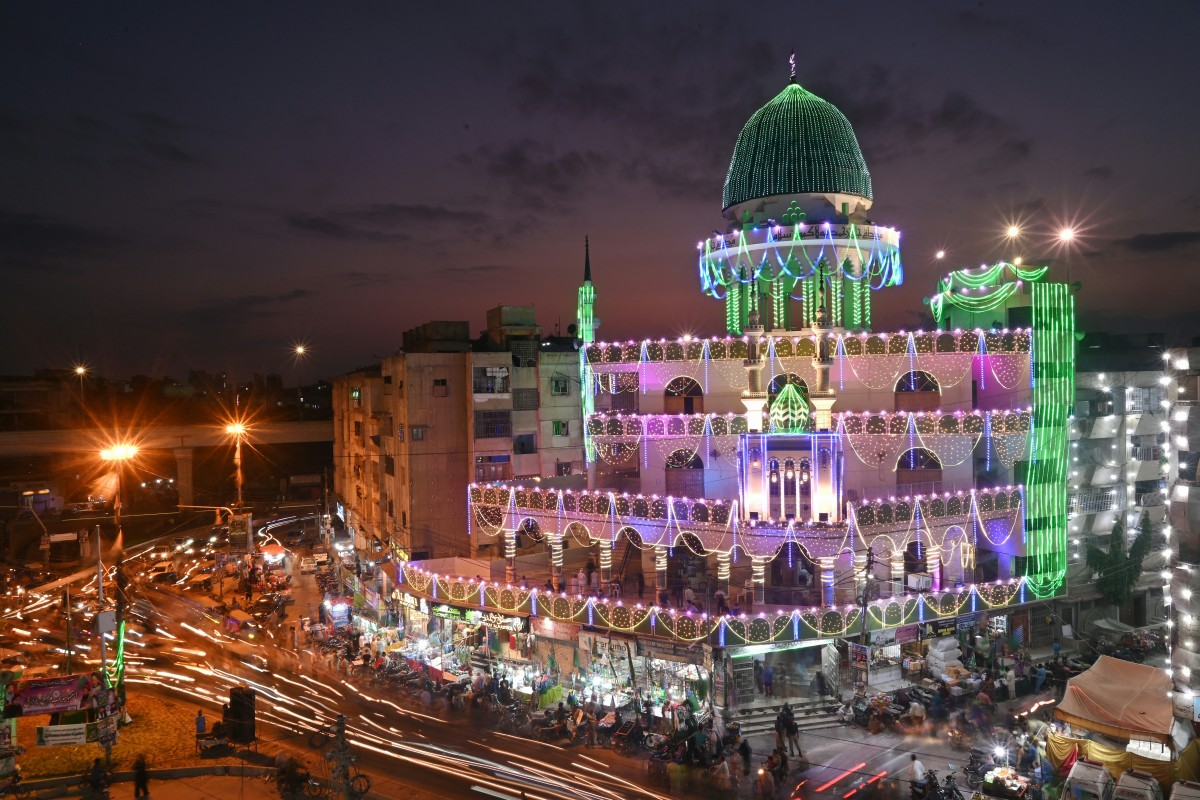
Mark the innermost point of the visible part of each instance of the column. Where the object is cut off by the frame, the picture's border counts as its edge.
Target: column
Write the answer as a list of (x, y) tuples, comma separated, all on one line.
[(556, 561), (184, 482), (660, 572), (828, 578), (758, 579), (723, 568), (606, 554), (510, 556), (933, 563), (897, 561)]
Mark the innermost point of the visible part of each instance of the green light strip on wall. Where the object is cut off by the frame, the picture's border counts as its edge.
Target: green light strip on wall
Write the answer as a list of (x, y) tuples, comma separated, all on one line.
[(1053, 401)]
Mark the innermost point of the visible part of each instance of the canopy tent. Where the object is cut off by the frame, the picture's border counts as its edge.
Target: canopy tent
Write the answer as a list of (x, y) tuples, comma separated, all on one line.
[(1120, 699)]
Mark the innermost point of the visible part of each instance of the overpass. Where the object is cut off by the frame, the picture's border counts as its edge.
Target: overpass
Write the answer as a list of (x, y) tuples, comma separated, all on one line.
[(182, 440)]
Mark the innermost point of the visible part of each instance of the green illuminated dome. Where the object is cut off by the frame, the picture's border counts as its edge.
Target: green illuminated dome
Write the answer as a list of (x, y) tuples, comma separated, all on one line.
[(797, 144)]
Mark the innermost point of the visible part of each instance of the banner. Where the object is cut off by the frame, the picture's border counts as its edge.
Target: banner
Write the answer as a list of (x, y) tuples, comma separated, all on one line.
[(8, 737), (34, 696), (64, 735)]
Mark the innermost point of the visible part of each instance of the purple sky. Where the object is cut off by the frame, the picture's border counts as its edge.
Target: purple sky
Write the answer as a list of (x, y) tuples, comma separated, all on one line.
[(204, 185)]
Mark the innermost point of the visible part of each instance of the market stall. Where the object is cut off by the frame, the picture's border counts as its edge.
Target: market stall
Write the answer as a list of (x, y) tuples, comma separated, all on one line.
[(1004, 782), (1120, 699)]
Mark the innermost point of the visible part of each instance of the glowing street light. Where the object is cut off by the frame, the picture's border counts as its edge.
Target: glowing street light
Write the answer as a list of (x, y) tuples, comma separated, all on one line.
[(1013, 231), (300, 350), (1066, 235), (237, 430), (940, 254)]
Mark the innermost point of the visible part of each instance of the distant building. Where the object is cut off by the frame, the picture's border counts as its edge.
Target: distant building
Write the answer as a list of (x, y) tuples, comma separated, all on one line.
[(444, 412)]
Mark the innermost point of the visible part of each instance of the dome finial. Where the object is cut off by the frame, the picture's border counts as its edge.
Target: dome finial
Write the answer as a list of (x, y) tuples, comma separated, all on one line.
[(792, 64)]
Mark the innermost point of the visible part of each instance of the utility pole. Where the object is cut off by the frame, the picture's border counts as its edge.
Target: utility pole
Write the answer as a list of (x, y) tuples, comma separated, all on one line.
[(865, 597), (99, 619)]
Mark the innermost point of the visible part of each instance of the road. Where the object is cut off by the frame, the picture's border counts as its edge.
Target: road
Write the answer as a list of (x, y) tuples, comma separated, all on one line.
[(411, 752)]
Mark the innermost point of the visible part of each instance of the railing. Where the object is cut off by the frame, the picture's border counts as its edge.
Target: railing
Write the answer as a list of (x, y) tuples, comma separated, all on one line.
[(1096, 500), (1144, 453), (911, 489)]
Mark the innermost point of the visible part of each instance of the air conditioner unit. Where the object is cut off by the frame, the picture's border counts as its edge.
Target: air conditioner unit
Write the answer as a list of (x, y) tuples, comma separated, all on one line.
[(920, 581)]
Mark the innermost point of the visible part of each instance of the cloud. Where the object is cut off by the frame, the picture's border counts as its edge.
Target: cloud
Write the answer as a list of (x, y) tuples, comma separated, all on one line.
[(240, 309), (1100, 172), (359, 278), (1159, 242), (976, 23), (480, 271), (381, 222), (37, 241), (534, 174)]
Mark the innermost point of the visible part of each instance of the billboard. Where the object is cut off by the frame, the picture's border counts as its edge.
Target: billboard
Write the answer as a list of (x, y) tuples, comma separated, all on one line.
[(34, 696)]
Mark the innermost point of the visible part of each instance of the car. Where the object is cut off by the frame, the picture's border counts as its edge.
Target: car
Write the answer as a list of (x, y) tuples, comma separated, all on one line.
[(162, 572), (266, 607), (308, 564)]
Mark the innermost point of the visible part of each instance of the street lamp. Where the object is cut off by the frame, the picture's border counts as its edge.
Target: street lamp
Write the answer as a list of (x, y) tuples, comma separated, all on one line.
[(238, 431), (299, 351), (118, 454), (1013, 231)]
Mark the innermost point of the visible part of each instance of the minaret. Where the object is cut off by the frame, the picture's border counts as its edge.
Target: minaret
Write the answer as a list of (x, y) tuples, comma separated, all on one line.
[(585, 318), (585, 334), (753, 397), (820, 395)]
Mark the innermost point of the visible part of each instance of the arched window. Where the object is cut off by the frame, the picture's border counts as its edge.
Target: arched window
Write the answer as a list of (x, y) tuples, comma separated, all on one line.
[(683, 396), (919, 458), (917, 381), (685, 474), (917, 391), (918, 466)]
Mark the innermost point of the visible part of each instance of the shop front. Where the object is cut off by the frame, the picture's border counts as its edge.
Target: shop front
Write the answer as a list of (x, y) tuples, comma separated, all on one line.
[(891, 658), (679, 681), (797, 671), (606, 668)]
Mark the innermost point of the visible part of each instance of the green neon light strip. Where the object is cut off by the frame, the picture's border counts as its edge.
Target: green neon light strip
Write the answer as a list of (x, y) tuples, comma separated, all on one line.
[(1053, 402), (973, 280), (975, 305)]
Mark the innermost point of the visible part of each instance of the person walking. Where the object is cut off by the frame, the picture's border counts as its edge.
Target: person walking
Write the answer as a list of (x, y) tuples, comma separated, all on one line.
[(793, 737), (765, 784), (780, 730), (1039, 679), (744, 753), (141, 777), (201, 723), (769, 681)]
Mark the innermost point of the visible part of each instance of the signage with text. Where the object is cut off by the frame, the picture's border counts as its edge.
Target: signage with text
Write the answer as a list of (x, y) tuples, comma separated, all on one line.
[(34, 696)]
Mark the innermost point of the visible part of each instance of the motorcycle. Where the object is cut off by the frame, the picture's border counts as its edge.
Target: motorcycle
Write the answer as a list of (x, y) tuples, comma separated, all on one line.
[(949, 788), (977, 766)]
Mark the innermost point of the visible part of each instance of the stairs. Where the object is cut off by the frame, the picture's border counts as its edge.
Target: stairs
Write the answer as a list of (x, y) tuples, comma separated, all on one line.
[(811, 714), (625, 552)]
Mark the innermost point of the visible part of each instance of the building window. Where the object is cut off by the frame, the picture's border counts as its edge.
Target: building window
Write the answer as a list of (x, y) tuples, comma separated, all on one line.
[(560, 387), (493, 424), (357, 428), (389, 465), (489, 380), (440, 387), (418, 433), (524, 352), (524, 444), (525, 399), (493, 468), (563, 468), (562, 427)]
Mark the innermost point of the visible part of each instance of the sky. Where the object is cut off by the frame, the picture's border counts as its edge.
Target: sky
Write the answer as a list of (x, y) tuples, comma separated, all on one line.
[(202, 186)]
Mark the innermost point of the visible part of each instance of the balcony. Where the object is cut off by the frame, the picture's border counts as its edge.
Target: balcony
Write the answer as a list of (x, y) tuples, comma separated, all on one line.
[(1144, 453)]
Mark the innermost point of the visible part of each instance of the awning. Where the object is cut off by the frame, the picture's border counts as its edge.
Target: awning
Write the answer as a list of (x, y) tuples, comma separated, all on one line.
[(1120, 699)]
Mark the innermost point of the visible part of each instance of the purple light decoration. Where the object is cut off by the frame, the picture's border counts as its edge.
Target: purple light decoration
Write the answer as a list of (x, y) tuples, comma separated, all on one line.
[(920, 608), (470, 512), (533, 603), (987, 445), (796, 625), (653, 621), (974, 598), (591, 611), (433, 580), (982, 360), (721, 632), (481, 587)]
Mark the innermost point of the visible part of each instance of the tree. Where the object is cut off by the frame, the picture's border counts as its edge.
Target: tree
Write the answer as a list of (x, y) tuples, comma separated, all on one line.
[(1117, 570)]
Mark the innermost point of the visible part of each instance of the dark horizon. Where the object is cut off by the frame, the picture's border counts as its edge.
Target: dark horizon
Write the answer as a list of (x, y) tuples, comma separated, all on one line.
[(203, 189)]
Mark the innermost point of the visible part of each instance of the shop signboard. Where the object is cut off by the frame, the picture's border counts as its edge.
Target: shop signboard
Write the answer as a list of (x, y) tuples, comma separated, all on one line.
[(908, 633), (669, 651), (448, 612), (884, 637), (372, 598), (34, 696), (968, 621), (558, 631), (502, 621), (240, 526), (941, 627), (406, 600), (858, 656)]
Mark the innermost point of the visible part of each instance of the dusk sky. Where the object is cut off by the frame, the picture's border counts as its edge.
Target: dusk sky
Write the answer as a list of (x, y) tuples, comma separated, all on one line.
[(202, 185)]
